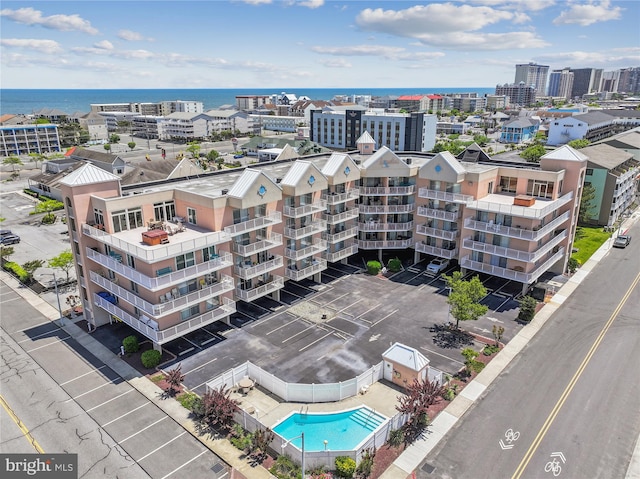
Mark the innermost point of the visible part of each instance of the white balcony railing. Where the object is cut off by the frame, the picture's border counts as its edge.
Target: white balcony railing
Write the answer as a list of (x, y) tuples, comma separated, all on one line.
[(438, 214), (158, 252), (271, 241), (436, 232), (304, 210), (387, 190), (519, 276), (150, 330), (385, 244), (511, 253), (384, 209), (444, 196), (270, 219), (298, 275), (380, 226), (521, 211), (276, 283), (337, 198), (515, 232), (296, 233), (340, 236), (163, 308), (224, 260), (421, 247), (336, 218), (341, 254), (317, 247), (248, 272)]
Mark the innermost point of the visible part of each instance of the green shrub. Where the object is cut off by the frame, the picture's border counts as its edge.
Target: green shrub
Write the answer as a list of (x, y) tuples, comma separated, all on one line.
[(373, 267), (188, 400), (130, 344), (396, 438), (18, 271), (345, 466), (489, 349), (285, 468), (366, 463), (395, 265), (150, 359), (527, 309), (240, 438)]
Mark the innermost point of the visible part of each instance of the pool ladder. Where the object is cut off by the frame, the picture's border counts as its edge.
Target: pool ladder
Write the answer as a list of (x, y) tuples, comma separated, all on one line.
[(366, 423), (303, 411)]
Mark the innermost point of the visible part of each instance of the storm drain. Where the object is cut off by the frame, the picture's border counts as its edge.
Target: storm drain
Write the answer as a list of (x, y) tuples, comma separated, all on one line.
[(428, 468)]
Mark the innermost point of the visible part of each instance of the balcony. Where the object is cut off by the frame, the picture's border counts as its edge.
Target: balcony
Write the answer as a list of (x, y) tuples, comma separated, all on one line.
[(379, 226), (317, 247), (527, 257), (149, 329), (514, 231), (422, 247), (274, 284), (298, 275), (251, 271), (180, 243), (208, 290), (271, 241), (444, 196), (337, 198), (512, 274), (341, 254), (436, 232), (498, 203), (384, 209), (305, 210), (316, 226), (340, 236), (247, 226), (385, 244), (224, 260), (387, 190), (336, 218), (438, 214)]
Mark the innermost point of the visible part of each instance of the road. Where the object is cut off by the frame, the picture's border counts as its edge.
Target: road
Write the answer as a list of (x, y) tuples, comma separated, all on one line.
[(570, 402)]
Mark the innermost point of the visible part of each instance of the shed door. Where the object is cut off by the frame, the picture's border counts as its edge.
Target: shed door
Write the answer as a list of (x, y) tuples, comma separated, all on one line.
[(388, 370)]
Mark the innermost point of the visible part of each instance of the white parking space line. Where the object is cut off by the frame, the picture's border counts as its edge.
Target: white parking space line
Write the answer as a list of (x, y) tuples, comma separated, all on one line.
[(160, 447), (186, 463), (352, 304), (143, 429), (317, 340), (442, 355), (107, 402), (5, 301), (259, 322), (47, 345), (390, 314), (201, 366), (83, 375), (502, 304), (367, 311), (38, 336), (298, 333), (90, 391), (125, 414), (334, 300), (35, 326), (189, 341), (284, 325)]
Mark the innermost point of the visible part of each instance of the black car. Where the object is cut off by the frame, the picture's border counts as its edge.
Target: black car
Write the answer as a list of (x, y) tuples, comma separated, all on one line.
[(622, 241)]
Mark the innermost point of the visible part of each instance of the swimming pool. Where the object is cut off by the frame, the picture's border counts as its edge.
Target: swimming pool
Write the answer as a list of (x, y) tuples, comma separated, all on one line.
[(343, 431)]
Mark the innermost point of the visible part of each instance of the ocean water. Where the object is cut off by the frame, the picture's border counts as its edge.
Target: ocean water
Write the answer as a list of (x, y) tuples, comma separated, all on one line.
[(70, 101)]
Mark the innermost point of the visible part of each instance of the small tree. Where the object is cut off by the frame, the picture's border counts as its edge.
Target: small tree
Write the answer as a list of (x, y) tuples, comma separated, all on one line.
[(31, 266), (497, 331), (107, 146), (572, 265), (527, 309), (13, 161), (48, 207), (579, 143), (6, 252), (131, 145), (63, 262), (114, 138), (130, 344), (533, 153), (464, 297), (174, 379), (151, 358), (587, 203), (219, 409), (260, 441), (193, 147), (415, 404), (213, 155), (395, 265), (471, 363)]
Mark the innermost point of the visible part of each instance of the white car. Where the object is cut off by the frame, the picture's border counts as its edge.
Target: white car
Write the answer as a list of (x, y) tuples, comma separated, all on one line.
[(438, 265)]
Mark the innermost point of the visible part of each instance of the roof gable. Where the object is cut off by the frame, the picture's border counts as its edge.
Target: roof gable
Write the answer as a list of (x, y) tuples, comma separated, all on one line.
[(253, 188), (88, 175), (406, 356), (444, 167), (304, 174), (385, 162), (566, 153), (365, 138), (341, 168)]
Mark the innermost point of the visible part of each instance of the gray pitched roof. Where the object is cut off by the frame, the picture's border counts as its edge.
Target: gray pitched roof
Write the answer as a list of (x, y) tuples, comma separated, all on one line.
[(87, 175), (605, 156)]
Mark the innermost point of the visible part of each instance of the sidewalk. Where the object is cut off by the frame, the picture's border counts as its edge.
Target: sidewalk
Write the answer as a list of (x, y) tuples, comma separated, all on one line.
[(413, 456)]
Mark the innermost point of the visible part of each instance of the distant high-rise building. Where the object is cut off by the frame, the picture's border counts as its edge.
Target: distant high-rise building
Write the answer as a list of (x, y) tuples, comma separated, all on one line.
[(561, 83), (629, 80), (534, 75), (518, 94), (585, 80)]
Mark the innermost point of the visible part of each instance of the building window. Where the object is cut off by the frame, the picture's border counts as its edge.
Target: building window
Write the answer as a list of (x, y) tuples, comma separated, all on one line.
[(164, 211), (185, 260), (209, 253), (589, 172), (191, 216), (98, 216), (126, 219), (508, 184), (189, 312)]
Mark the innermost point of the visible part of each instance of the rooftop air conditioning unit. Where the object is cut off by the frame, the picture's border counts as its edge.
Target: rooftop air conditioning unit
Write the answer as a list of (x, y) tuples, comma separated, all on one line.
[(225, 191), (278, 180)]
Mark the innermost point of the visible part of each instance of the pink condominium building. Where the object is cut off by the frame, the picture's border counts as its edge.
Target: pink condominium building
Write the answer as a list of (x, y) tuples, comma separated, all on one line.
[(171, 257)]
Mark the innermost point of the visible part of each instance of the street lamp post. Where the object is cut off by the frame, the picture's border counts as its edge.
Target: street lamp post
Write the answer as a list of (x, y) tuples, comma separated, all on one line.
[(55, 285), (301, 436)]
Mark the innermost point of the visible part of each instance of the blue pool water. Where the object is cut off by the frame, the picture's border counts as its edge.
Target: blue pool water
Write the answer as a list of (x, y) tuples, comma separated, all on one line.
[(343, 430)]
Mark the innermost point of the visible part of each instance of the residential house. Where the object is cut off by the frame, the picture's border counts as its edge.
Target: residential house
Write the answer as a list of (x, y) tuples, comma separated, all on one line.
[(518, 130)]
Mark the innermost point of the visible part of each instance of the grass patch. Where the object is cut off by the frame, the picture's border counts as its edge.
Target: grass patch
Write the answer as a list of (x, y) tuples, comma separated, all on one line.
[(588, 239), (157, 378)]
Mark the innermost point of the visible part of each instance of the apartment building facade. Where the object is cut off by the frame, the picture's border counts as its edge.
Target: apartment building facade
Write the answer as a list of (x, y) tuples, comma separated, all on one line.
[(532, 74), (172, 257), (25, 139)]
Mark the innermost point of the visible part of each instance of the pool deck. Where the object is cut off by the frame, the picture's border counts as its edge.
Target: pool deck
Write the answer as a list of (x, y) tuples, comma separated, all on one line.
[(270, 410)]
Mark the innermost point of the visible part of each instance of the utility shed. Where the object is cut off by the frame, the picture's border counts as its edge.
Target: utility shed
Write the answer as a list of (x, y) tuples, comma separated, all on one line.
[(403, 364)]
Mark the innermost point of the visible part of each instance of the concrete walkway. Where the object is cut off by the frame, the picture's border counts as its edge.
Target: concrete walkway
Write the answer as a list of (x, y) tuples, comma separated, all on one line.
[(413, 456)]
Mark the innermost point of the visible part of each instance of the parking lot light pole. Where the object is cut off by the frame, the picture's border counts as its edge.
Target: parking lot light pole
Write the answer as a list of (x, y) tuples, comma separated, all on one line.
[(55, 285)]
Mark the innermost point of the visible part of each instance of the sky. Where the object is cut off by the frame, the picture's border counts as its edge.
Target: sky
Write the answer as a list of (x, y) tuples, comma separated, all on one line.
[(114, 44)]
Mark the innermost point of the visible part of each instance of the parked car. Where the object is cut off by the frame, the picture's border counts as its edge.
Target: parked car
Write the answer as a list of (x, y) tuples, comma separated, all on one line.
[(622, 241), (238, 156), (438, 265), (7, 237)]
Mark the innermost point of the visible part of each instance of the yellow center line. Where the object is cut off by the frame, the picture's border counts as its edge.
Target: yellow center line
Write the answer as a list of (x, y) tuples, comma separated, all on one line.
[(22, 427), (556, 409)]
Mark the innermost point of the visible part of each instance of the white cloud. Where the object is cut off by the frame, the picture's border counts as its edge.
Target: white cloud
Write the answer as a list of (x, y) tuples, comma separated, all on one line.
[(621, 57), (257, 2), (106, 48), (336, 63), (44, 46), (361, 50), (64, 23), (511, 5), (104, 45), (130, 35), (311, 3), (588, 14)]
